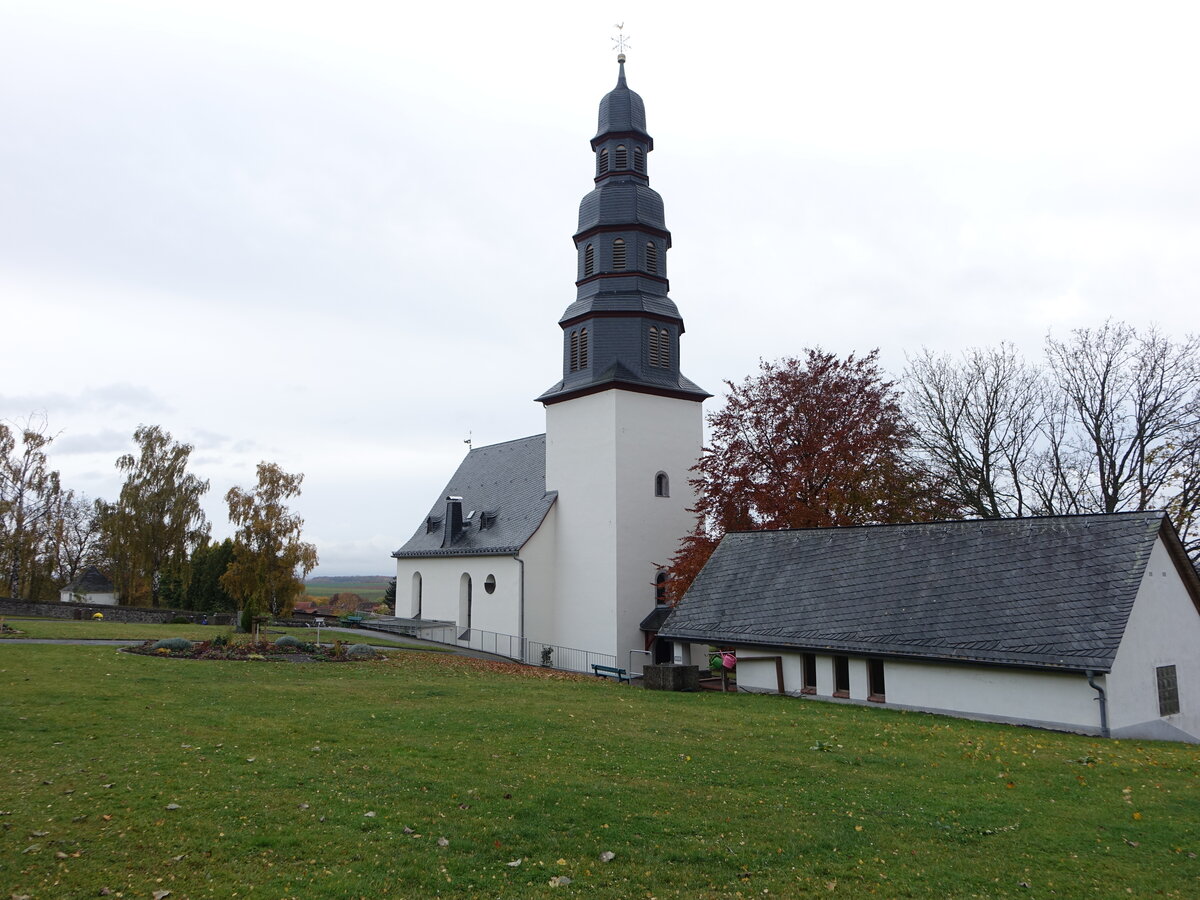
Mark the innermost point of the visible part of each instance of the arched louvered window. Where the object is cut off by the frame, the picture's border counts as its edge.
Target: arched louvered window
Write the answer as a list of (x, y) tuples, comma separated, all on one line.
[(618, 254), (652, 258), (662, 486), (622, 161), (602, 161), (639, 160), (574, 351), (583, 348), (653, 346), (589, 260), (664, 348)]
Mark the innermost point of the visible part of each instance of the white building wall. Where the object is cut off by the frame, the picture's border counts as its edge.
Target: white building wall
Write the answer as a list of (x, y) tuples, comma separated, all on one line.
[(441, 589), (603, 452), (1163, 630), (539, 554), (1056, 699), (90, 599)]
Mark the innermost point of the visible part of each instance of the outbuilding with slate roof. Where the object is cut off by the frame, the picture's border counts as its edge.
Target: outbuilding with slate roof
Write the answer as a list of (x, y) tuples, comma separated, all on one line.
[(93, 587), (1082, 623)]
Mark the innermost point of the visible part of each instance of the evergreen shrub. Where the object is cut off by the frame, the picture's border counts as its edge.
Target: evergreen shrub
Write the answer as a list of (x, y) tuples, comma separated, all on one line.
[(175, 643)]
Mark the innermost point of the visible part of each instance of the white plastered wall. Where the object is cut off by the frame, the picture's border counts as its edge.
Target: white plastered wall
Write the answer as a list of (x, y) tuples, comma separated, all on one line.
[(1052, 699), (1163, 630), (603, 452), (91, 599), (441, 580)]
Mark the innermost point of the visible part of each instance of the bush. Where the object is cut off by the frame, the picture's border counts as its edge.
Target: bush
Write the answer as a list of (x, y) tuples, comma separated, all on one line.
[(175, 643), (360, 651), (287, 641), (221, 640), (246, 622), (180, 620)]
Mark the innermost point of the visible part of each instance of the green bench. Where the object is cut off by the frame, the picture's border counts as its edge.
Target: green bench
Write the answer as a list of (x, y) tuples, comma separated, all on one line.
[(609, 672)]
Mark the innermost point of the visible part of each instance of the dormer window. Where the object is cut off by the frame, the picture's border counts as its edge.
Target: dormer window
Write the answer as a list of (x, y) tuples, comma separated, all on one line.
[(432, 524), (602, 161), (652, 258), (618, 254), (639, 160), (622, 158), (589, 261), (487, 519)]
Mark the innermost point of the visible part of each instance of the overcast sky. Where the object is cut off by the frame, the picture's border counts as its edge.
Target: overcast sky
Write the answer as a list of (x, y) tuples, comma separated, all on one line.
[(337, 236)]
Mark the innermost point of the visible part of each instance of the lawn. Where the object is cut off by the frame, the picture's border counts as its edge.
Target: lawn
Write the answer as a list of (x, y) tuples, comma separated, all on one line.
[(425, 775), (70, 629)]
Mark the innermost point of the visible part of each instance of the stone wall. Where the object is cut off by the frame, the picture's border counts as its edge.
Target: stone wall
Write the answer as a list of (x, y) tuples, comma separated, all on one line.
[(9, 607)]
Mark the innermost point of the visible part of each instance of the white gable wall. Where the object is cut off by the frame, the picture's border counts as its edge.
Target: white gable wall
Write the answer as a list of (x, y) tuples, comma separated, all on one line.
[(1163, 630)]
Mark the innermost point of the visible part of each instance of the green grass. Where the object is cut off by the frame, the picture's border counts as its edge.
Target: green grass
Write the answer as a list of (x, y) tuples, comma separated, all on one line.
[(368, 590), (70, 629), (274, 768)]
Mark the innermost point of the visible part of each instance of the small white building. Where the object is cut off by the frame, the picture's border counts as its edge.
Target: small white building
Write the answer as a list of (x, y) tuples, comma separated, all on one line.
[(1077, 623), (91, 587)]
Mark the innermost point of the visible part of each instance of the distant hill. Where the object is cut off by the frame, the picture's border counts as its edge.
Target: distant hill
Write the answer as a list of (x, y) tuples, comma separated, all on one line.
[(351, 579), (369, 587)]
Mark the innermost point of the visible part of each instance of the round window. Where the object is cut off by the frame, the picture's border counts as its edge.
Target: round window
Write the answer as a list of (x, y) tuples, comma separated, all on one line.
[(489, 584)]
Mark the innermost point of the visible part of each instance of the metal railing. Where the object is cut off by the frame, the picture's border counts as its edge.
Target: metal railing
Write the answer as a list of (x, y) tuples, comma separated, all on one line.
[(534, 653)]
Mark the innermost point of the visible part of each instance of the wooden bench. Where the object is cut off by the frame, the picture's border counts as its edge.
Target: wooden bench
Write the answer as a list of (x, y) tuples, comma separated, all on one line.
[(609, 672)]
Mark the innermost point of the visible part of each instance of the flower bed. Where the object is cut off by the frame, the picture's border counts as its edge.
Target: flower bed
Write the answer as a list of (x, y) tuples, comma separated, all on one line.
[(290, 650)]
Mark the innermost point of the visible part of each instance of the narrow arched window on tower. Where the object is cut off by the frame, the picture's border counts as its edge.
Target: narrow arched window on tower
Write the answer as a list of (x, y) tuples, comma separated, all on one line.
[(583, 348), (652, 258), (662, 485), (589, 260), (574, 343), (664, 348), (639, 160), (622, 161), (653, 346), (602, 161), (618, 254)]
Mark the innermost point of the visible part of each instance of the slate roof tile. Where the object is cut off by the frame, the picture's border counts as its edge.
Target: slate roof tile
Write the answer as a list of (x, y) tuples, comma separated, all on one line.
[(1053, 591), (507, 480)]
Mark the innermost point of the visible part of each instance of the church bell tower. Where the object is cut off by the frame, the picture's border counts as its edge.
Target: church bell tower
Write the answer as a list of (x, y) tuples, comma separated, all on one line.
[(623, 425)]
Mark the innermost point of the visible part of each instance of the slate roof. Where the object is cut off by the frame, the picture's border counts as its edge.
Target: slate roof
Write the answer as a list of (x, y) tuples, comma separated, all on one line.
[(1043, 592), (91, 581), (507, 480), (621, 110)]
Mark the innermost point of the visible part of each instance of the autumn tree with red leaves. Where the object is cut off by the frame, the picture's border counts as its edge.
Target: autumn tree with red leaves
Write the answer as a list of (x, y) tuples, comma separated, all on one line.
[(809, 442)]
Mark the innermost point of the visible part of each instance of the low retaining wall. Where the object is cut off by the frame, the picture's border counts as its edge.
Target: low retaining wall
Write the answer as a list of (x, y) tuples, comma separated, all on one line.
[(144, 614)]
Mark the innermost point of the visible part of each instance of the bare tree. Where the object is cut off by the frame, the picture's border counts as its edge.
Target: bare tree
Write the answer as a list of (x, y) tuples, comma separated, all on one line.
[(1134, 401), (978, 421)]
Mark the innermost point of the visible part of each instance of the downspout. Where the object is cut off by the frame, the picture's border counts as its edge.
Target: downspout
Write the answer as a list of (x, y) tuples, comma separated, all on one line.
[(1102, 697), (521, 602)]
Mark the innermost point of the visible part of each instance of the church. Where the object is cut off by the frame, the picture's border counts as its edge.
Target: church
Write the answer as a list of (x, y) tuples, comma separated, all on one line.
[(560, 540)]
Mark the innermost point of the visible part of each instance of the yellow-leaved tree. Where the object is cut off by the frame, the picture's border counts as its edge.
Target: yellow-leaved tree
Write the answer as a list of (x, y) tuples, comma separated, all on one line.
[(269, 559)]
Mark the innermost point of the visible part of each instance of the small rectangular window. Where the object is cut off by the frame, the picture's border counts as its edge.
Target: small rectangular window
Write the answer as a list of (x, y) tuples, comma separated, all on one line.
[(841, 676), (1168, 690), (875, 687), (808, 662)]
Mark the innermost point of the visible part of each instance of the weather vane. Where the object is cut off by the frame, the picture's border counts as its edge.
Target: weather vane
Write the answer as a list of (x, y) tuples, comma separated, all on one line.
[(470, 444), (620, 42)]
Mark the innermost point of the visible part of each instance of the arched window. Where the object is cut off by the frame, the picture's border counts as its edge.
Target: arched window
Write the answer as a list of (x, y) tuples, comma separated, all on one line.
[(639, 160), (662, 485), (589, 261), (416, 595), (653, 346), (622, 161), (583, 348), (464, 606), (652, 257), (602, 161), (660, 589), (573, 363), (664, 348), (618, 254)]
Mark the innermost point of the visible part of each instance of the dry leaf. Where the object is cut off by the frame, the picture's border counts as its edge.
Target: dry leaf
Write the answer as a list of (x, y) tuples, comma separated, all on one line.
[(515, 863), (174, 806), (58, 854), (370, 815), (407, 830), (304, 806), (559, 881), (607, 856), (38, 833), (158, 895), (442, 842)]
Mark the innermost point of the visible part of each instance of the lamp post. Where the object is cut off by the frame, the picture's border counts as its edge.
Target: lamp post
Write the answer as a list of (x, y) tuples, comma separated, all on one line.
[(320, 622)]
